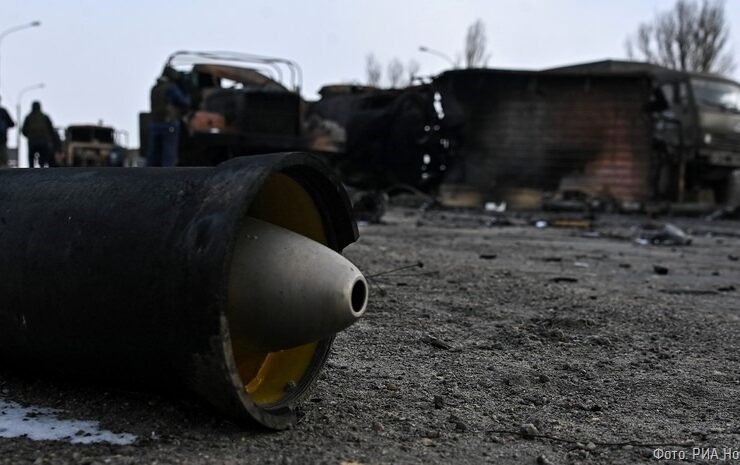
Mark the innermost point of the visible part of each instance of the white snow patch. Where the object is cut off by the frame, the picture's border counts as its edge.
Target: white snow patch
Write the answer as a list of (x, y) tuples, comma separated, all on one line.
[(41, 424)]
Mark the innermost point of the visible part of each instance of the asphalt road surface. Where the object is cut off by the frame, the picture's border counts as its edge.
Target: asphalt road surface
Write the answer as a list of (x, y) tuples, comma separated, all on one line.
[(512, 344)]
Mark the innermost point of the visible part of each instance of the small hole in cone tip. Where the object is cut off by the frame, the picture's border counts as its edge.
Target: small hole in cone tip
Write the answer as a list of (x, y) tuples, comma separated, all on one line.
[(359, 296)]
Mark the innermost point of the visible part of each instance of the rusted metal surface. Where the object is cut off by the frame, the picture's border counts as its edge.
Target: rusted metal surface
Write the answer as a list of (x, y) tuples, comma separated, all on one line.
[(549, 130)]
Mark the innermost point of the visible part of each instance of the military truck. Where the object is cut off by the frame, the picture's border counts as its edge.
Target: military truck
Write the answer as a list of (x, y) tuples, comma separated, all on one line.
[(696, 132), (92, 145), (241, 104), (619, 133)]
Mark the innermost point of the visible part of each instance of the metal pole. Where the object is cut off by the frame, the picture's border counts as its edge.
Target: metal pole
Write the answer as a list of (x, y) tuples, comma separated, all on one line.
[(18, 28), (18, 123), (437, 53)]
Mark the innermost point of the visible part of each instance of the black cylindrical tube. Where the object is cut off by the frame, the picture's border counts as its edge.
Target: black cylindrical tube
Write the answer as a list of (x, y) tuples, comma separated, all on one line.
[(122, 274)]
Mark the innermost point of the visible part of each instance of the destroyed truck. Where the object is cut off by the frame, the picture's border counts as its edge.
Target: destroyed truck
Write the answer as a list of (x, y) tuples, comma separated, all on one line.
[(623, 132), (92, 145), (241, 104)]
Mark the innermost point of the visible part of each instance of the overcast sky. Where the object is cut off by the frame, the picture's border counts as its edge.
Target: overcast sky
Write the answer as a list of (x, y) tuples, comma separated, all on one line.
[(98, 59)]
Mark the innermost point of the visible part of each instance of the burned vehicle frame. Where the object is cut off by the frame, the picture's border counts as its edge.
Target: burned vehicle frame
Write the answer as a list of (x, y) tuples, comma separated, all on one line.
[(93, 145), (394, 138), (241, 104), (245, 104)]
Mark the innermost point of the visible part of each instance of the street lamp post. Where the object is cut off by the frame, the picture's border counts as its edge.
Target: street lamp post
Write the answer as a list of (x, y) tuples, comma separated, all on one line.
[(437, 53), (18, 28), (40, 85)]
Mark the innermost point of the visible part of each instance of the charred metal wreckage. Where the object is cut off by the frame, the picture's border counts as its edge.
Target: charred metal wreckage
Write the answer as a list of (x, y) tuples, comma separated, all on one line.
[(244, 104), (93, 145), (241, 104), (624, 133)]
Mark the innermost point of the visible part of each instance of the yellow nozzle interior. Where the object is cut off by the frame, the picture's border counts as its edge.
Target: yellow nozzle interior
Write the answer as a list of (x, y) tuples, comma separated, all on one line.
[(269, 378)]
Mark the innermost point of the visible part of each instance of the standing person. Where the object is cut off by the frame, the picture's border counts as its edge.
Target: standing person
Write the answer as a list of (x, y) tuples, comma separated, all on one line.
[(6, 122), (168, 103), (42, 138)]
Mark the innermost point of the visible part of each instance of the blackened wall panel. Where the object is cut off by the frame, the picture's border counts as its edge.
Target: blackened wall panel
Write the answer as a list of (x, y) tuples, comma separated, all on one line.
[(534, 130)]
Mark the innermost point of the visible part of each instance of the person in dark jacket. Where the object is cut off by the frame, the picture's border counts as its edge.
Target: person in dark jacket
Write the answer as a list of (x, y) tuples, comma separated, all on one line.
[(168, 103), (43, 140), (6, 122)]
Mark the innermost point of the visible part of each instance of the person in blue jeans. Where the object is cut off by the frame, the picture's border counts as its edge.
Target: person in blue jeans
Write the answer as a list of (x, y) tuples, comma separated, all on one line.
[(168, 103)]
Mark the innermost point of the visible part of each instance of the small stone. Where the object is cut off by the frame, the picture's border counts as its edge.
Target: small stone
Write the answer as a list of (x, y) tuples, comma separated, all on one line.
[(432, 434), (660, 270), (590, 446), (427, 442), (542, 460), (378, 428), (599, 340), (529, 430), (543, 379), (460, 425), (439, 402)]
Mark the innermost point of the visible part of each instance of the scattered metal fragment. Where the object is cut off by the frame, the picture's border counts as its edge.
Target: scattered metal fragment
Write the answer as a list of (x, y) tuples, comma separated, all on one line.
[(726, 213), (495, 207), (667, 234)]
